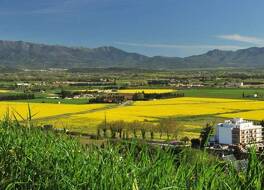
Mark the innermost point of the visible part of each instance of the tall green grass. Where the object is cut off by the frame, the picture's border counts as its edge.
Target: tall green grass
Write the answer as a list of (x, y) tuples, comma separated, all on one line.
[(34, 159)]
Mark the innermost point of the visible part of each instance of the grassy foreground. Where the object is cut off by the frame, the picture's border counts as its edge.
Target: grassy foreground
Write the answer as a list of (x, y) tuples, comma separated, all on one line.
[(35, 159)]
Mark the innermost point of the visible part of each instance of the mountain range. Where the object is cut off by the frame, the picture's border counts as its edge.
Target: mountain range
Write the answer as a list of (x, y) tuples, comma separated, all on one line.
[(26, 55)]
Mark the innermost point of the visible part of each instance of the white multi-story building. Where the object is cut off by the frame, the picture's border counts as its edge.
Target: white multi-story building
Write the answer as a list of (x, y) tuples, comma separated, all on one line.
[(238, 131)]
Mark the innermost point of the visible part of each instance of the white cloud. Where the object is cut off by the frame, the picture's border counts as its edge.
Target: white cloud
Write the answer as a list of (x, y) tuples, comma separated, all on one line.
[(179, 46), (239, 38)]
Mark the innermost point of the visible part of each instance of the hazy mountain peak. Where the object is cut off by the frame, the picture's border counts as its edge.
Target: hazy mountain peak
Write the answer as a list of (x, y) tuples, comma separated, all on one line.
[(20, 54)]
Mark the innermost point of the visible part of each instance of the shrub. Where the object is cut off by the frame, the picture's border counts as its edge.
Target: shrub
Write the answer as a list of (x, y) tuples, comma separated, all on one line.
[(34, 159)]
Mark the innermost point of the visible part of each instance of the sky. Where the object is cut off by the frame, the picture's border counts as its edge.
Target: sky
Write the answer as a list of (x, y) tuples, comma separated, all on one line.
[(151, 27)]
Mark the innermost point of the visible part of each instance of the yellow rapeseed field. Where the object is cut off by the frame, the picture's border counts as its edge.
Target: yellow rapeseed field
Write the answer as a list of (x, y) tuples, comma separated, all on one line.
[(46, 110), (86, 117), (4, 91), (176, 107), (250, 115), (147, 91)]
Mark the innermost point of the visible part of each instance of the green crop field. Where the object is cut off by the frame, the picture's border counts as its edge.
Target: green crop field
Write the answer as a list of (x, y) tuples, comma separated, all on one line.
[(222, 92), (56, 101)]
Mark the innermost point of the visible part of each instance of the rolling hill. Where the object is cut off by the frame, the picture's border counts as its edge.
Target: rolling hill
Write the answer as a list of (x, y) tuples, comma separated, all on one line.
[(26, 55)]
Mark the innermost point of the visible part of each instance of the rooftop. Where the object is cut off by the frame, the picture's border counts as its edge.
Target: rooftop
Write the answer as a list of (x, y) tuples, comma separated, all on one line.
[(238, 123)]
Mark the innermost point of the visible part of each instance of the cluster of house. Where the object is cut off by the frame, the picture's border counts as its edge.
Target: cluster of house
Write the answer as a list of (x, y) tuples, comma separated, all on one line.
[(101, 82), (30, 84), (175, 83), (238, 132)]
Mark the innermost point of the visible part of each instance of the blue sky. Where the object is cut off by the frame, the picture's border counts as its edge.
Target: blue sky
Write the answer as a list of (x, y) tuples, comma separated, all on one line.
[(151, 27)]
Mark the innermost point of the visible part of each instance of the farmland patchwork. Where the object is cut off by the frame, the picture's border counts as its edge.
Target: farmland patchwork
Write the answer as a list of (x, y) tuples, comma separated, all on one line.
[(87, 117)]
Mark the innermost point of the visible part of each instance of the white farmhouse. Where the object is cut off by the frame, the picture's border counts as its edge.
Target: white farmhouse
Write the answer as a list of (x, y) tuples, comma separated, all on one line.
[(23, 84), (238, 131)]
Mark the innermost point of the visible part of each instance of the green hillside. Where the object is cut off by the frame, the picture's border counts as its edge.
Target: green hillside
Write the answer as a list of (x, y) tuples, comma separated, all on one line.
[(25, 55), (34, 159)]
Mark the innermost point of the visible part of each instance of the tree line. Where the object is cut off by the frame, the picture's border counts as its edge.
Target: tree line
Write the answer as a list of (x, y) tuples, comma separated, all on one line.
[(22, 96), (166, 128), (143, 96)]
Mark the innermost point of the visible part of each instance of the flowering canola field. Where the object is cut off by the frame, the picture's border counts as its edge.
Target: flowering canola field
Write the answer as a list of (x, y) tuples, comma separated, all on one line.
[(4, 91), (86, 117), (181, 107), (41, 110)]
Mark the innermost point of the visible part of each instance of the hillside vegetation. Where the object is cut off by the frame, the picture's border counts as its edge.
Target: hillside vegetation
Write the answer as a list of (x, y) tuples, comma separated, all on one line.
[(35, 159), (25, 55)]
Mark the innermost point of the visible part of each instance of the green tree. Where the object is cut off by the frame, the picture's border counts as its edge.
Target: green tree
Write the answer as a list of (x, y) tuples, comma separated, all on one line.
[(196, 143), (134, 127), (205, 134), (103, 127), (171, 127), (143, 132), (139, 96), (65, 94)]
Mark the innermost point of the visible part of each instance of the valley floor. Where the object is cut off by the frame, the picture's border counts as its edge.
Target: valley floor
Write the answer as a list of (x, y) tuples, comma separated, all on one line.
[(193, 113)]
